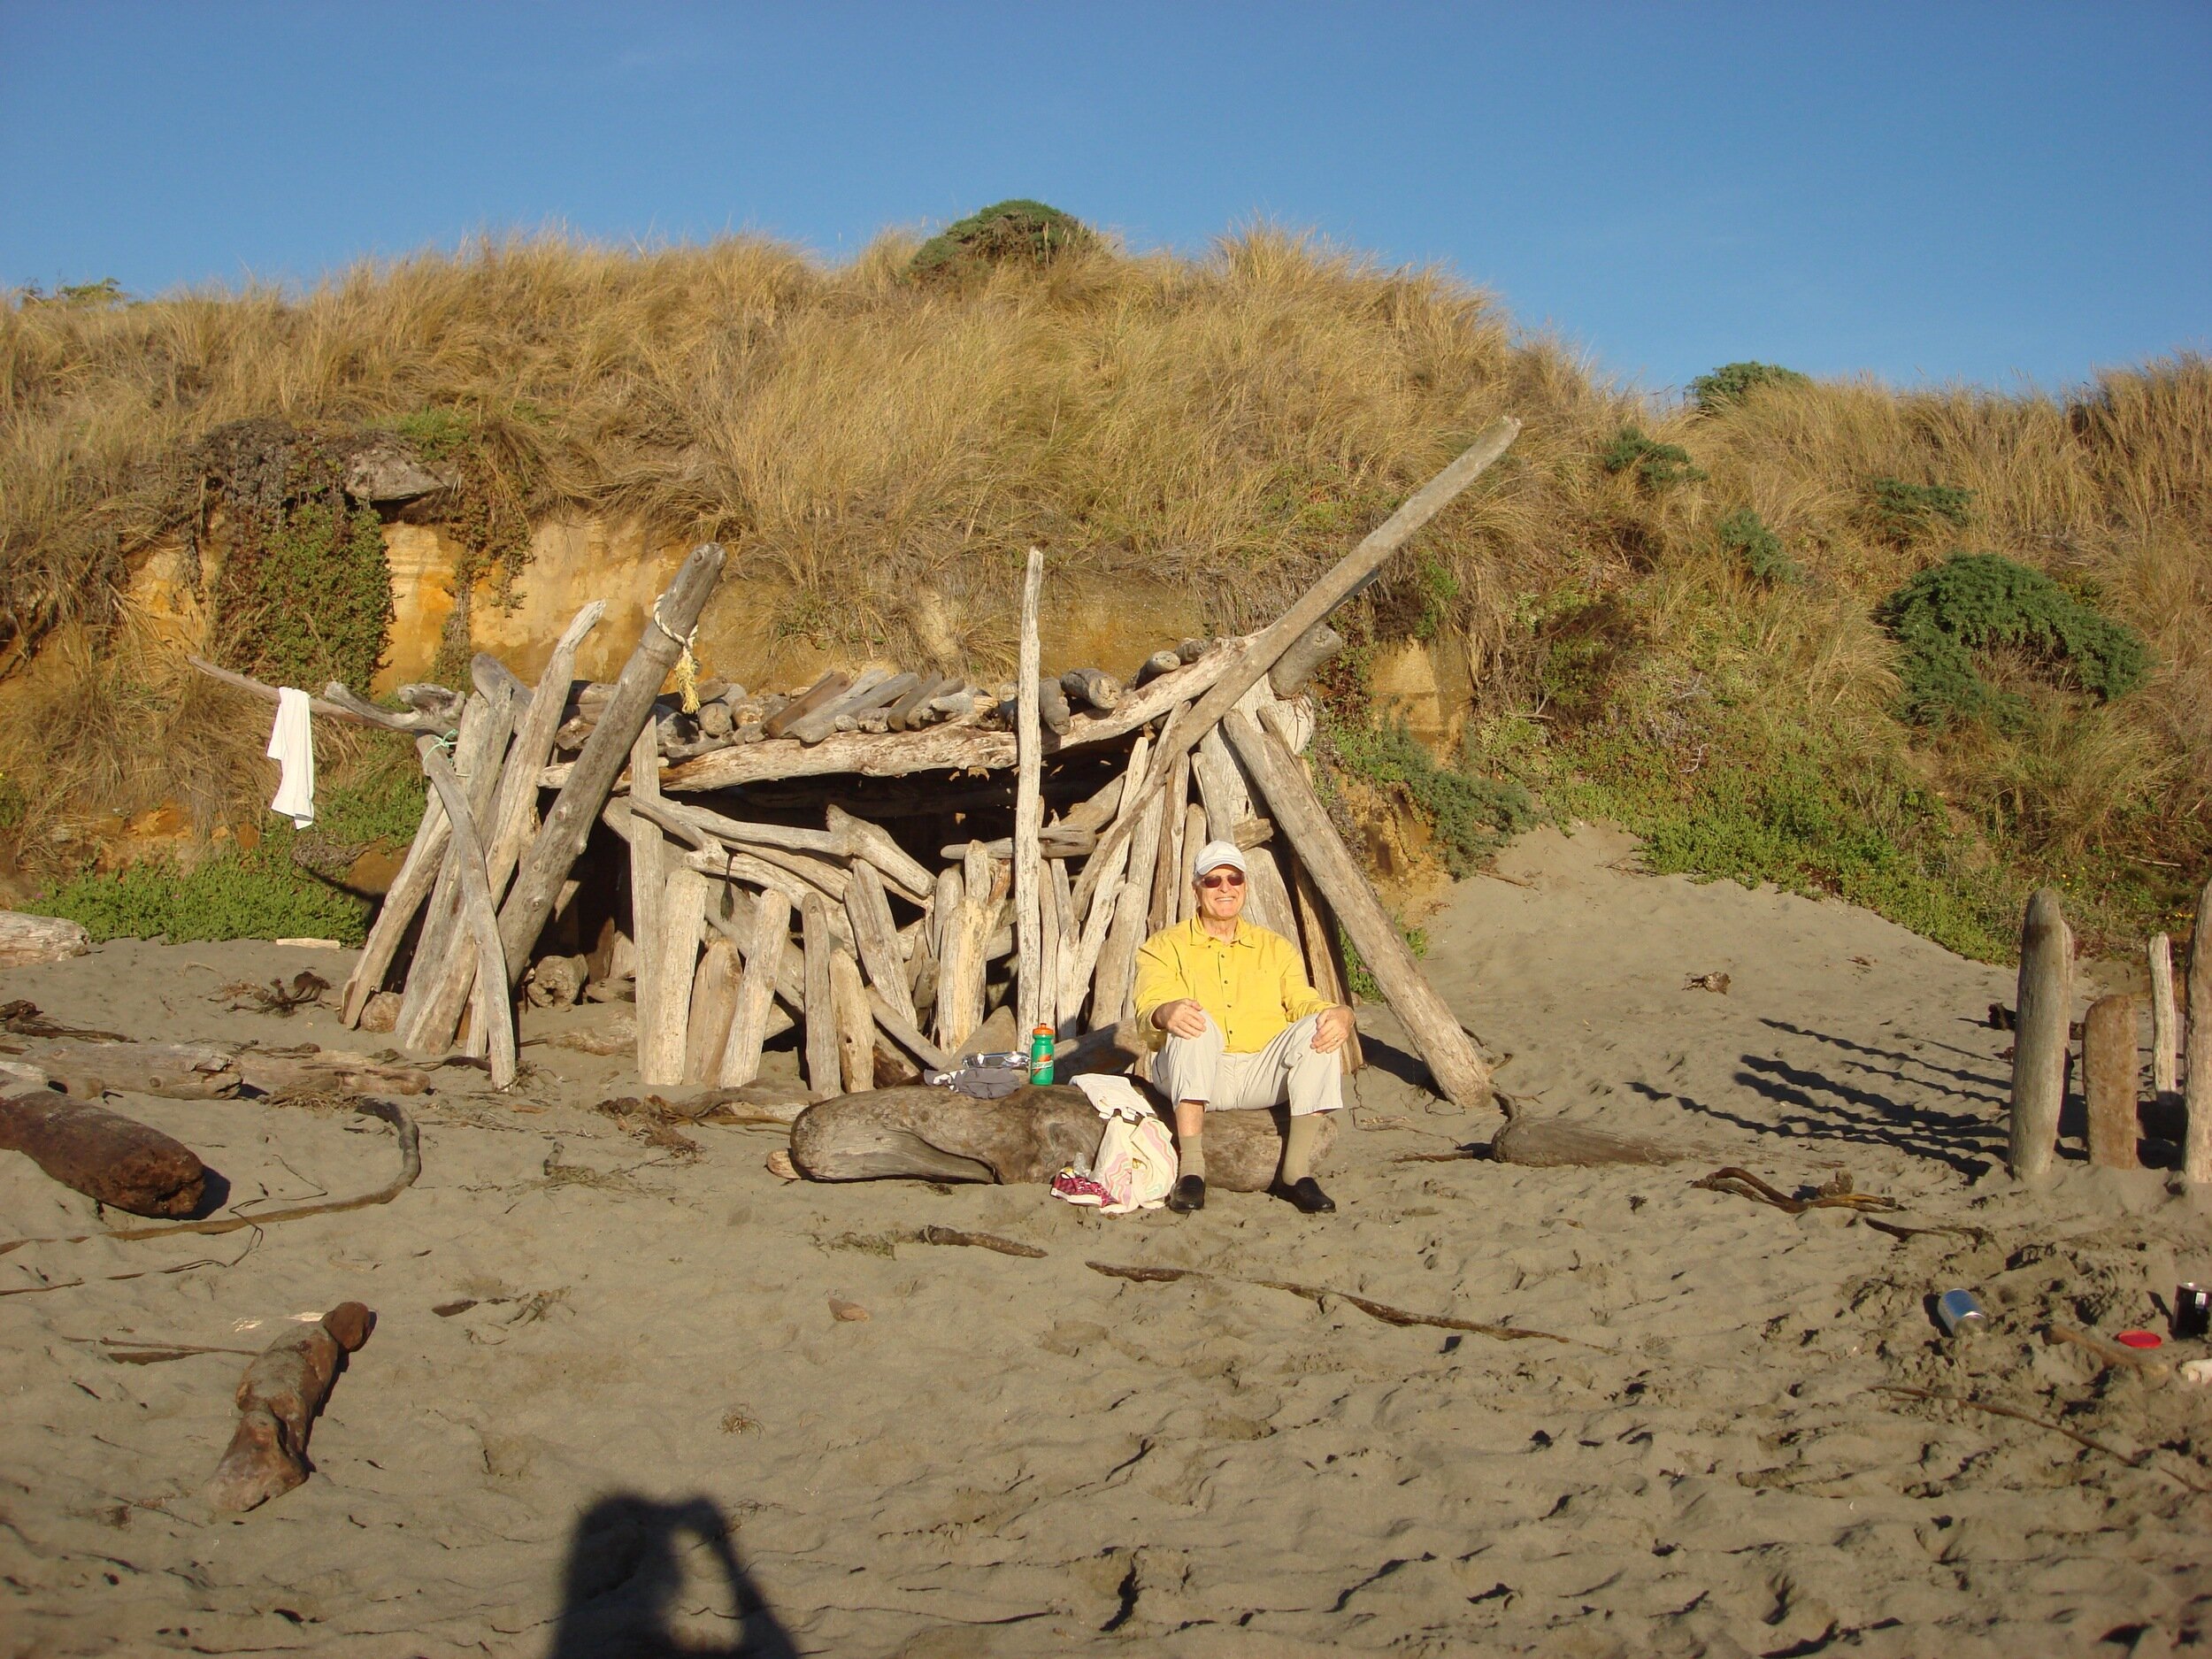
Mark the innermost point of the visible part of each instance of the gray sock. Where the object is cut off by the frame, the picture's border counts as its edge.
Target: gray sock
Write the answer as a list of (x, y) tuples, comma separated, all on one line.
[(1298, 1149), (1190, 1157)]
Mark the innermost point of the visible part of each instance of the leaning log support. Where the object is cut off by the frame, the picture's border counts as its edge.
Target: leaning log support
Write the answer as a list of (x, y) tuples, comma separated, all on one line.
[(1459, 1071), (560, 841)]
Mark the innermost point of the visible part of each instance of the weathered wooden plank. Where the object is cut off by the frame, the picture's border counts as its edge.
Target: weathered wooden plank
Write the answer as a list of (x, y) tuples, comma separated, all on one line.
[(1031, 1002), (2196, 1150), (1325, 962), (650, 862), (1118, 961), (769, 933), (856, 1024), (869, 912), (477, 918), (664, 1044), (825, 1075)]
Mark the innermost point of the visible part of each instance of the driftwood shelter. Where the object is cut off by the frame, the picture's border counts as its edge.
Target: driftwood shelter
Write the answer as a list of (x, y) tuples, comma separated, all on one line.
[(859, 858)]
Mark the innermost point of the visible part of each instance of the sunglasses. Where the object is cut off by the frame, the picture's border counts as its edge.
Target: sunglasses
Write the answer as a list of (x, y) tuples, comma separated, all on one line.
[(1223, 878)]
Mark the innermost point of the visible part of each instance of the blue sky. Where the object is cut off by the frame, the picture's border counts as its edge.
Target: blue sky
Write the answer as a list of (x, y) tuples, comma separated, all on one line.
[(1985, 193)]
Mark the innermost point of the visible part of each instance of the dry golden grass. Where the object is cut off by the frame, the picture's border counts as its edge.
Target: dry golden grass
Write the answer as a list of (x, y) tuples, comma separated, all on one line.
[(1231, 423)]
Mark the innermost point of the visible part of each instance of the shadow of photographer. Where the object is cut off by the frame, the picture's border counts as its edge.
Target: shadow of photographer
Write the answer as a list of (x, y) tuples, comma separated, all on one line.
[(631, 1584)]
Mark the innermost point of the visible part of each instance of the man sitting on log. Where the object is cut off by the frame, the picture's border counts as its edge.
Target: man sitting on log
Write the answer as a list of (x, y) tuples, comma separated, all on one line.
[(1244, 1030)]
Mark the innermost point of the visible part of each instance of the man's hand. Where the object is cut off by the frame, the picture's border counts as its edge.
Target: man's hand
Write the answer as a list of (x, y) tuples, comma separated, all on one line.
[(1331, 1027), (1183, 1017)]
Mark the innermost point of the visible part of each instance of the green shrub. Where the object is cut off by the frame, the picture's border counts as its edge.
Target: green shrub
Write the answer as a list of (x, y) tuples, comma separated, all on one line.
[(1901, 510), (1973, 602), (1013, 230), (1439, 592), (318, 597), (257, 895), (1714, 392), (1470, 817), (1745, 536), (304, 593), (1656, 466), (1586, 645)]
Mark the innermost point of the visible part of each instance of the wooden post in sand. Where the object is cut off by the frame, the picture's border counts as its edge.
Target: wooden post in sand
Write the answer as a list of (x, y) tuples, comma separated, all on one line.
[(767, 931), (2042, 1009), (2108, 1064), (1033, 1000), (825, 1075), (2196, 1149), (2165, 1031)]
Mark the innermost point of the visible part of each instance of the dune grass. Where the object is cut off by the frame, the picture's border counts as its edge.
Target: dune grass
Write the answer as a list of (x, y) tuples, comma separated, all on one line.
[(885, 448)]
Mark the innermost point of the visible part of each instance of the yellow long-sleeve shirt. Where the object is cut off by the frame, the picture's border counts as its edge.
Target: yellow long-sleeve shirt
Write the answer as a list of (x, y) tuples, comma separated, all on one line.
[(1253, 985)]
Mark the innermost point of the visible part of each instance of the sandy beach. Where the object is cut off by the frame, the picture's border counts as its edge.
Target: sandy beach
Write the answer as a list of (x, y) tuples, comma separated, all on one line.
[(607, 1406)]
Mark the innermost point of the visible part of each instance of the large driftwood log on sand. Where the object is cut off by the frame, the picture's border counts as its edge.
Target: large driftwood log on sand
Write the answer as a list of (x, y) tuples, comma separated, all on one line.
[(178, 1071), (935, 1134), (277, 1398), (25, 940), (103, 1154), (1546, 1143)]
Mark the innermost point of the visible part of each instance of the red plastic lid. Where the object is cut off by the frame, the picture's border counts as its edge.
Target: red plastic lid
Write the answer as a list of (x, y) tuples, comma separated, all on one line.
[(2141, 1339)]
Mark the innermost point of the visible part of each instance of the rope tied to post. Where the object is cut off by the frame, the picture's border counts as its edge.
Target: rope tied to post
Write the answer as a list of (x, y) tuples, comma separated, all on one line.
[(687, 664)]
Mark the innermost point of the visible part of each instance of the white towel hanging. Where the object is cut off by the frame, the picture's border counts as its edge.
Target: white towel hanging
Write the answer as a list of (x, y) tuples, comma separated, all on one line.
[(292, 746)]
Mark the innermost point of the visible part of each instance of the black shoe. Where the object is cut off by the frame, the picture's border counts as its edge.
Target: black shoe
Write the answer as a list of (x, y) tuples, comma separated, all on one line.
[(1305, 1193), (1190, 1194)]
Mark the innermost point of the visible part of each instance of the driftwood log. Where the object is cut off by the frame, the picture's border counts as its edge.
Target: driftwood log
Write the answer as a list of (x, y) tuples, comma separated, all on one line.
[(2196, 1149), (25, 940), (177, 1070), (2108, 1070), (1033, 1005), (560, 839), (103, 1154), (2165, 1031), (2040, 1033), (1258, 656), (334, 1071), (1453, 1062), (935, 1134), (1546, 1143), (277, 1398)]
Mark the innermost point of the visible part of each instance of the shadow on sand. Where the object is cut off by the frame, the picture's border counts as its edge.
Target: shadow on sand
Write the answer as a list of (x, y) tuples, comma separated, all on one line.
[(634, 1571), (1817, 1106)]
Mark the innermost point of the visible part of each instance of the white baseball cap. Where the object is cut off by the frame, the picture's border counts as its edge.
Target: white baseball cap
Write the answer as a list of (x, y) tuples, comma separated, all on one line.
[(1214, 854)]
